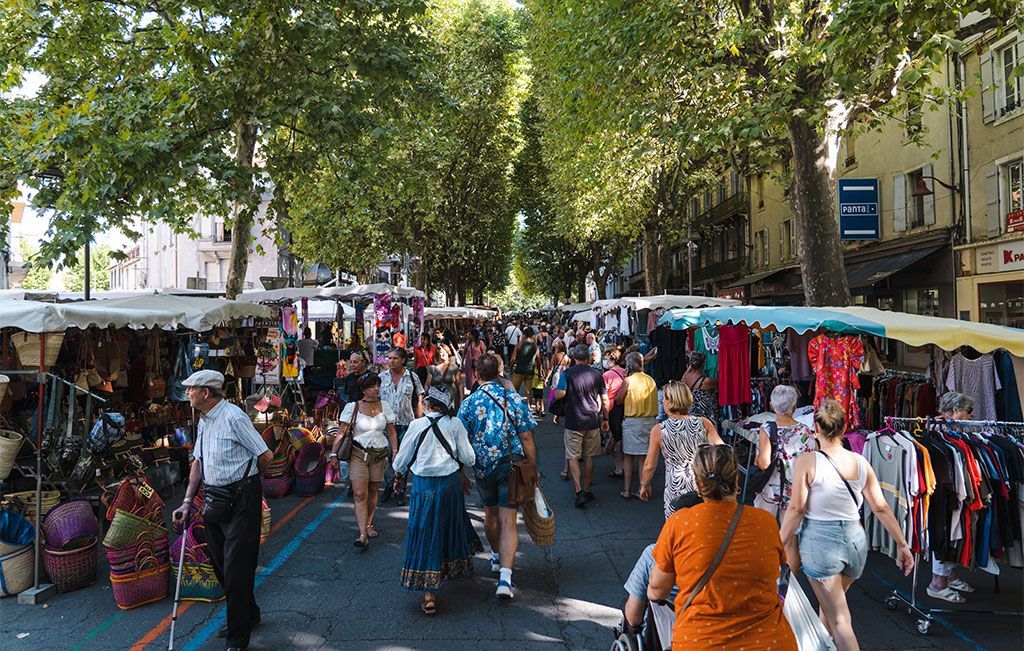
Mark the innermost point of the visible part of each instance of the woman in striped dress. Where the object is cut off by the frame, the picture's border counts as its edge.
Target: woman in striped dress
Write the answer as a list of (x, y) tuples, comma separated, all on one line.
[(678, 438)]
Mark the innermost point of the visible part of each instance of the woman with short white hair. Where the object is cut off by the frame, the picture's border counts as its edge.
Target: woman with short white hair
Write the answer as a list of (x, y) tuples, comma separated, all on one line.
[(791, 440)]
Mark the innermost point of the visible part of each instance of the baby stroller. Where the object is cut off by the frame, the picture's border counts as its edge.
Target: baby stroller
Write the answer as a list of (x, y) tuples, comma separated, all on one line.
[(654, 635)]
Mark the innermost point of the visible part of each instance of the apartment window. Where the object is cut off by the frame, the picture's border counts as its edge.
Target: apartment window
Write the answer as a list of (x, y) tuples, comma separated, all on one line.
[(760, 191), (850, 143), (732, 243), (702, 253), (1013, 195), (915, 205), (716, 249), (786, 240), (707, 200), (761, 257), (1010, 88), (736, 182), (721, 190), (694, 208)]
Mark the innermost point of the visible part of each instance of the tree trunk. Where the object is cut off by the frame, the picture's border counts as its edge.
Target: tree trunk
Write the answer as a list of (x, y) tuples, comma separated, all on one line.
[(581, 288), (812, 199), (656, 252), (244, 214)]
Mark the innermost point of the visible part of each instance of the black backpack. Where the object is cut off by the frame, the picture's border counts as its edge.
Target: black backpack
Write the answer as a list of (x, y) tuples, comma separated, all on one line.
[(756, 479)]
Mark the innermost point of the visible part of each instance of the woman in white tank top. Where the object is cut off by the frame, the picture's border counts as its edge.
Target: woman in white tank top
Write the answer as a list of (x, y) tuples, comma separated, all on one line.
[(829, 486)]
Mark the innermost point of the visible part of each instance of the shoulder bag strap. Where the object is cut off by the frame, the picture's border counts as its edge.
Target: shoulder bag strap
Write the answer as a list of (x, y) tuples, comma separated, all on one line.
[(415, 453), (849, 488), (443, 441), (506, 422), (718, 557)]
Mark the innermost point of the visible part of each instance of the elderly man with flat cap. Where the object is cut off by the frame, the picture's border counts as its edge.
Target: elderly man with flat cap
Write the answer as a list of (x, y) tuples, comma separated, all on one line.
[(229, 456)]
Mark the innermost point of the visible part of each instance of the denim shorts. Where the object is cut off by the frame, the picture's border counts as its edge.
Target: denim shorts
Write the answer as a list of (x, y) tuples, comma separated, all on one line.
[(493, 488), (830, 547)]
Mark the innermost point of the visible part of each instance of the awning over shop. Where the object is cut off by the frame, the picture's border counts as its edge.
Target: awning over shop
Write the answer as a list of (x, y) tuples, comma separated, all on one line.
[(574, 307), (912, 329), (343, 293), (458, 313), (326, 311), (147, 311), (756, 278), (662, 301), (865, 274)]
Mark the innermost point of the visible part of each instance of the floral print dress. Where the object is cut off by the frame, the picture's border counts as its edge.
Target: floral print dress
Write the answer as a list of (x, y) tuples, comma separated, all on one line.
[(836, 362), (793, 441)]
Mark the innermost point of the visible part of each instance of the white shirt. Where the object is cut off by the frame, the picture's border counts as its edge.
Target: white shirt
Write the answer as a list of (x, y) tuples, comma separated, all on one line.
[(512, 334), (227, 443), (433, 460), (828, 498), (371, 431)]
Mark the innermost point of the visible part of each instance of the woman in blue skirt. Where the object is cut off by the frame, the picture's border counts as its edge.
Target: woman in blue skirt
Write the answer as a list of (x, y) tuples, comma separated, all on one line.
[(440, 540)]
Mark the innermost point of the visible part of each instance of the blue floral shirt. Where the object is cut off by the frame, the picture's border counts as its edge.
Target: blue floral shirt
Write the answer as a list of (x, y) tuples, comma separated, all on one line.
[(485, 423)]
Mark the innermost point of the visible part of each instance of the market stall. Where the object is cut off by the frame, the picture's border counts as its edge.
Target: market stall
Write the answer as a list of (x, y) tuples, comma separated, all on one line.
[(853, 355)]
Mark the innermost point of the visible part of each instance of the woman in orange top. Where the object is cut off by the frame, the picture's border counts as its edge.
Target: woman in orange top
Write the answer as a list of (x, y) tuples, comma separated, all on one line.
[(739, 606)]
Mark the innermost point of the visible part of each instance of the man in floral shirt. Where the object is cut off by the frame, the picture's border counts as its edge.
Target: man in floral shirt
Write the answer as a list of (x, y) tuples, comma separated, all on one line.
[(495, 437)]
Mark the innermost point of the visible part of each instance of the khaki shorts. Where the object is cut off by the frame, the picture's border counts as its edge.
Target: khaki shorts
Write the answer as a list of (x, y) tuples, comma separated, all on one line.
[(359, 470), (586, 443)]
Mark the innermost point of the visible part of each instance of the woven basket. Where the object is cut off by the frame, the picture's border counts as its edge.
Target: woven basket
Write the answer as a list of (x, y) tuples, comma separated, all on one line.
[(157, 547), (68, 523), (310, 485), (27, 345), (309, 461), (299, 437), (5, 381), (199, 581), (140, 588), (16, 569), (265, 522), (130, 498), (10, 444), (71, 570), (25, 503), (127, 528), (540, 528), (195, 543), (277, 486)]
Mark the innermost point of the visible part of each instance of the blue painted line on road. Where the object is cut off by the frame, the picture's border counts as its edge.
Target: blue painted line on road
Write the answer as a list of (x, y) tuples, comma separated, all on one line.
[(282, 557), (94, 633), (935, 618)]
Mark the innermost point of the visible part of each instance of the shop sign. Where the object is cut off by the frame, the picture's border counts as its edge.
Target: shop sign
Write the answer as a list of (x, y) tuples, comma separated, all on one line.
[(1015, 221), (735, 294), (858, 209), (1010, 255), (986, 260)]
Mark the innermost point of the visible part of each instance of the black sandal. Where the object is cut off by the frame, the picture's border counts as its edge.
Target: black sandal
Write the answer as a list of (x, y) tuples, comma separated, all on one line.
[(360, 543)]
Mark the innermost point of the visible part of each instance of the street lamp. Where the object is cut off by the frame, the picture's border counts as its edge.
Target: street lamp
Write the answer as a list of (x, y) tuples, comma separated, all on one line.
[(922, 189)]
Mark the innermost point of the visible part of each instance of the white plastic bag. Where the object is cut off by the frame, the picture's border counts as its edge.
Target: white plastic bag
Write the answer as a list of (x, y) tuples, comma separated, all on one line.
[(809, 631)]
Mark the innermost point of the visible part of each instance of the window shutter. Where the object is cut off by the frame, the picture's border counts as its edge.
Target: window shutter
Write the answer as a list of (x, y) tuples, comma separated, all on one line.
[(992, 201), (792, 240), (782, 240), (899, 203), (929, 200), (988, 94)]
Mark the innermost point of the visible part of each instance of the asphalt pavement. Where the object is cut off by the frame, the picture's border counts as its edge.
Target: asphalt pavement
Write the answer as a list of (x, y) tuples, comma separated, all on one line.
[(317, 591)]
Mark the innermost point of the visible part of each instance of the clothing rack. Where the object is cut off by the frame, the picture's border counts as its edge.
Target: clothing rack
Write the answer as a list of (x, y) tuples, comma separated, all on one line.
[(897, 598)]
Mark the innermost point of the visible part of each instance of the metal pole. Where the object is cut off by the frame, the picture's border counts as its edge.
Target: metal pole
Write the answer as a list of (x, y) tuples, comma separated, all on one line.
[(689, 258), (88, 270), (39, 453)]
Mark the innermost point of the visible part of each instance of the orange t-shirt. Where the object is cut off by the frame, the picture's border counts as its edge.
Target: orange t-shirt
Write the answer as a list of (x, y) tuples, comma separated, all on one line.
[(399, 340), (739, 607)]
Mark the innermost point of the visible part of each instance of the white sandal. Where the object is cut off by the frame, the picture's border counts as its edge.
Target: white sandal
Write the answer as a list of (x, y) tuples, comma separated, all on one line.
[(961, 586), (947, 594)]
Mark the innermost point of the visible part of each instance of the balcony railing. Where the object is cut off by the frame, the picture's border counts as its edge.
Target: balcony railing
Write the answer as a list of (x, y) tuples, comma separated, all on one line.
[(736, 203)]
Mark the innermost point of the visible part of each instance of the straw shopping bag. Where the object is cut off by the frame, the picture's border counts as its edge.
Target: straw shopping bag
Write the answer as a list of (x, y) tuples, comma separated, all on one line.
[(539, 519)]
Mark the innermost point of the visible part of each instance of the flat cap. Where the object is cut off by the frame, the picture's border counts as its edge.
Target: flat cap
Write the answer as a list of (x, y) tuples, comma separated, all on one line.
[(207, 378)]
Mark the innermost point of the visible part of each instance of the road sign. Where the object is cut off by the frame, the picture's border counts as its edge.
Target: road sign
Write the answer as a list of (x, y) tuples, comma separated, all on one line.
[(858, 209)]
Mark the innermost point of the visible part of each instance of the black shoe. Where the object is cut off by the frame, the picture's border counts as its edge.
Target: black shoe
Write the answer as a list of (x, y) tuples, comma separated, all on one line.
[(388, 493), (223, 632), (581, 500), (588, 495)]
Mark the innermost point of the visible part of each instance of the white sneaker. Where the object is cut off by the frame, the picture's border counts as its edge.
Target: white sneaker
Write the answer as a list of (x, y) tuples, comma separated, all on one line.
[(504, 590), (495, 566)]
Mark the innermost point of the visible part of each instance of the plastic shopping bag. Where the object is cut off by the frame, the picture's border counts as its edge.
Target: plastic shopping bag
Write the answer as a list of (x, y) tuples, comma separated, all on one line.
[(809, 631)]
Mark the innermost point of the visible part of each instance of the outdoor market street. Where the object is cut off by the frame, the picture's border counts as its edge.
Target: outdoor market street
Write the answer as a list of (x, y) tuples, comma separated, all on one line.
[(318, 592)]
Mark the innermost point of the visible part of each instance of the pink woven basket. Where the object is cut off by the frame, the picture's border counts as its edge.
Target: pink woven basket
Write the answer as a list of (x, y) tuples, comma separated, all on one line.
[(141, 587), (309, 461), (195, 543), (73, 569), (277, 486)]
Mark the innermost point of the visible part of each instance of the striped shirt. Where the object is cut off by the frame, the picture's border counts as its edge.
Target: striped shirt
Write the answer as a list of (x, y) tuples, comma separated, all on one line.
[(400, 396), (232, 443)]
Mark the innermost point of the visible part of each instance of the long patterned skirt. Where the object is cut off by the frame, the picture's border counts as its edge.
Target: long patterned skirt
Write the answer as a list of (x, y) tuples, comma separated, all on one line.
[(440, 540)]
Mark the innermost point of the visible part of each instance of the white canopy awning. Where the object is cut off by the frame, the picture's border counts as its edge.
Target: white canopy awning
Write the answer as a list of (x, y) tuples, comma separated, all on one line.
[(574, 307), (662, 301), (325, 311), (146, 311), (458, 313), (343, 293)]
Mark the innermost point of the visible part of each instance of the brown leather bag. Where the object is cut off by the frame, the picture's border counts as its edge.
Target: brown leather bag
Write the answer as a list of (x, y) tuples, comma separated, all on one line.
[(523, 476)]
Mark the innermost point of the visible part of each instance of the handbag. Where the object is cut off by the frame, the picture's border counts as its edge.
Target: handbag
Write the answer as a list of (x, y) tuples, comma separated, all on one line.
[(176, 392), (219, 501), (523, 476), (757, 478), (156, 387), (717, 560), (345, 447)]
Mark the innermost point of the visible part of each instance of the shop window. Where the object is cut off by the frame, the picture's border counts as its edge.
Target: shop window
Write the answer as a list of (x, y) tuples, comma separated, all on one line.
[(760, 191), (1010, 88), (716, 249), (921, 301), (1002, 303)]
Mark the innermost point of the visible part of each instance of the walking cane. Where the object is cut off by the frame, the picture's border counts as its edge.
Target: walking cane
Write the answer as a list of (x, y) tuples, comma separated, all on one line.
[(177, 585)]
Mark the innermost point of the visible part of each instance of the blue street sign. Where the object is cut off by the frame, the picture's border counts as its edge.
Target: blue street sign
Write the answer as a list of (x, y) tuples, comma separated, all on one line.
[(858, 209)]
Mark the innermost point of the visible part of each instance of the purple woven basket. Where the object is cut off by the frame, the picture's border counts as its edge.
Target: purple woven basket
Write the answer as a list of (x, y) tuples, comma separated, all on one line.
[(69, 522), (195, 543), (309, 462), (277, 486), (309, 485), (71, 570)]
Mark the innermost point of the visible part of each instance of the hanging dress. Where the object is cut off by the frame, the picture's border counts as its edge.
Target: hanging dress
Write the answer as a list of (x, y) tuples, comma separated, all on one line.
[(680, 438), (733, 365), (836, 362)]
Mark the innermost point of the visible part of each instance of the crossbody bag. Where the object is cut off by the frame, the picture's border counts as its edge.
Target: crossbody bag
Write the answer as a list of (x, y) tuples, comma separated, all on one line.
[(733, 524), (219, 501), (523, 476)]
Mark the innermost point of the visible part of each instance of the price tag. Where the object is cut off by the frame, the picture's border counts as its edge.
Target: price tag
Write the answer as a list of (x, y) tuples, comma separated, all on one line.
[(146, 490)]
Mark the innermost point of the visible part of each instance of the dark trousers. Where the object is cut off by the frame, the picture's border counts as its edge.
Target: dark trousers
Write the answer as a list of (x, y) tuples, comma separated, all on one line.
[(234, 549)]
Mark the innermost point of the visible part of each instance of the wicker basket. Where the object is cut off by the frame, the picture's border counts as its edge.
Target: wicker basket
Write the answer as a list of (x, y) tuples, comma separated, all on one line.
[(141, 587), (299, 437), (73, 569), (10, 444), (309, 461), (68, 523), (265, 522), (5, 381), (25, 503), (16, 568), (310, 485), (27, 345), (130, 497), (541, 527), (199, 580), (277, 486), (195, 543), (157, 546), (127, 528)]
